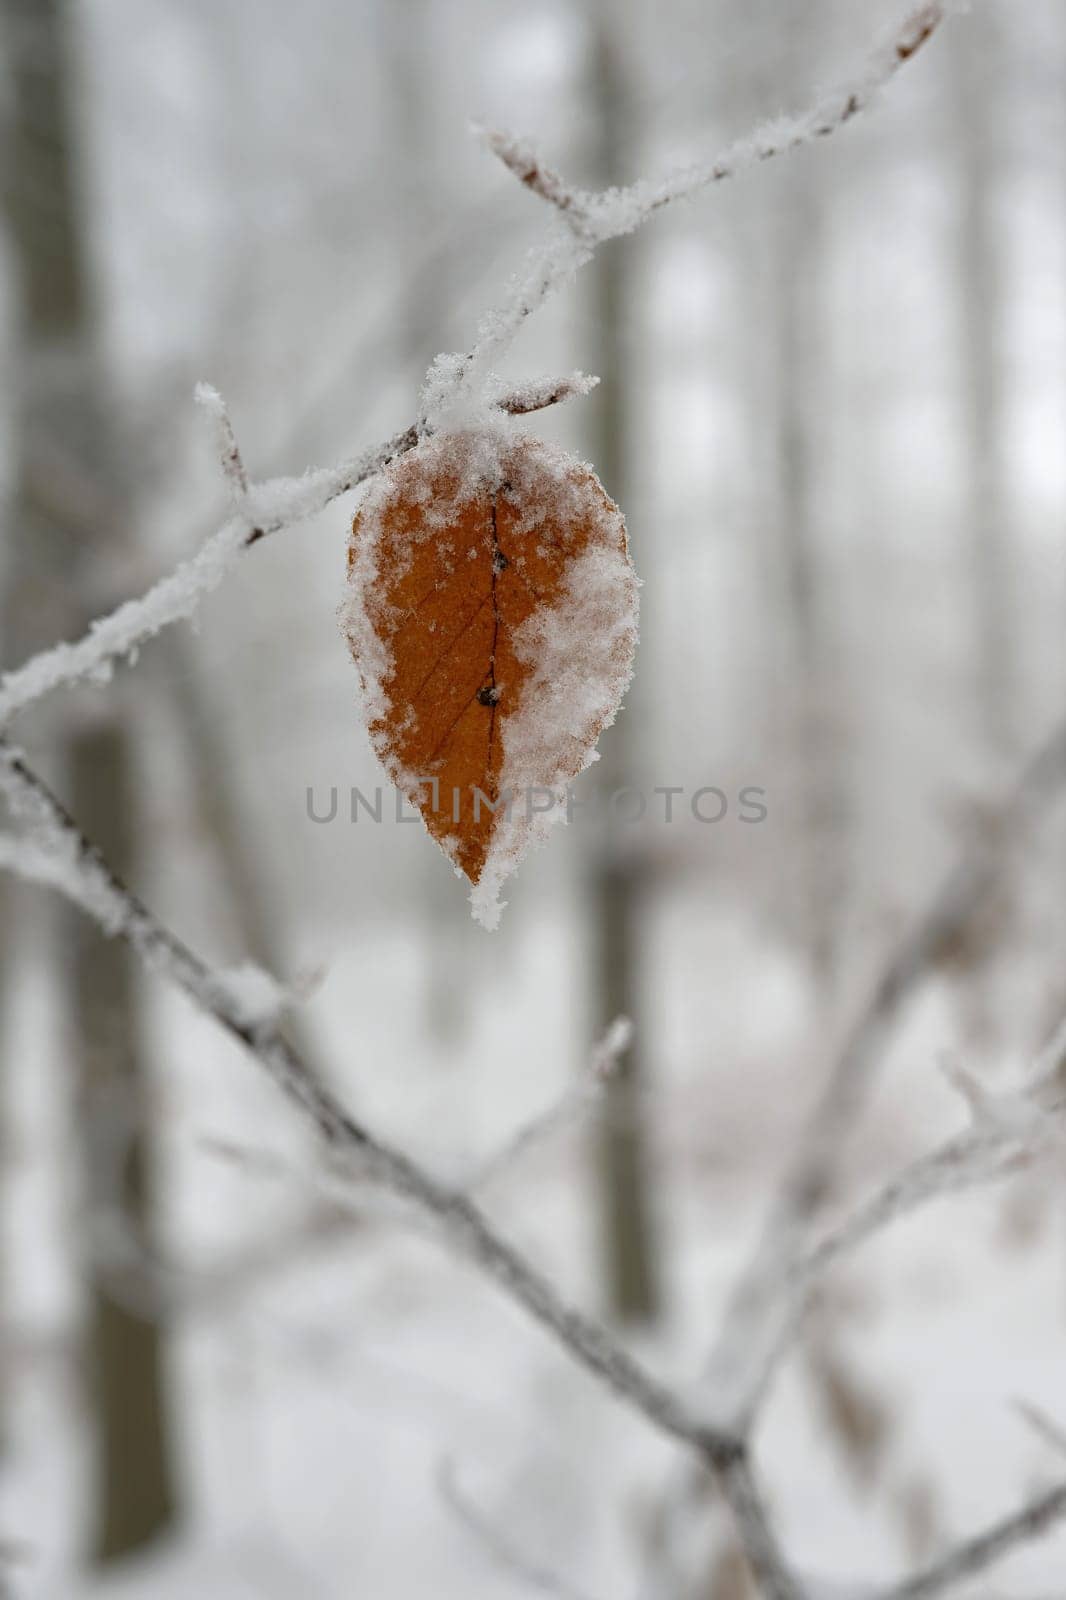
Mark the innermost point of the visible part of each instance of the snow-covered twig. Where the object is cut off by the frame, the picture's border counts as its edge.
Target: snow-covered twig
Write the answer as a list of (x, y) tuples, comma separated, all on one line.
[(578, 1099), (90, 882), (588, 219), (1009, 1131), (85, 877), (229, 454), (610, 212), (811, 1172), (505, 1551), (58, 856), (520, 157), (336, 1184), (341, 1202), (265, 508), (974, 1556)]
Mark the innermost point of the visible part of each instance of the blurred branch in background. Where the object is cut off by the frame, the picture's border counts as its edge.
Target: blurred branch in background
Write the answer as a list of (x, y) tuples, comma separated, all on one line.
[(811, 1176), (617, 893), (812, 683)]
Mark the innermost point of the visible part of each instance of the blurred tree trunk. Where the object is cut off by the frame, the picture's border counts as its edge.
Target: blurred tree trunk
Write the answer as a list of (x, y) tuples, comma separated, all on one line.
[(977, 71), (62, 568), (977, 64), (617, 893), (813, 675)]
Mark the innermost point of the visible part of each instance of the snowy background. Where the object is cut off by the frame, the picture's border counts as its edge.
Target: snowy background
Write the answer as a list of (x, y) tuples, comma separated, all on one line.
[(833, 410)]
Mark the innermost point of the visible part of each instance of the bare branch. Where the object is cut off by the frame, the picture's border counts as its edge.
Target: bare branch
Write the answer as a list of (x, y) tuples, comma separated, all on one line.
[(341, 1204), (976, 1555), (578, 1099), (812, 1170), (775, 1578), (92, 884), (1008, 1131)]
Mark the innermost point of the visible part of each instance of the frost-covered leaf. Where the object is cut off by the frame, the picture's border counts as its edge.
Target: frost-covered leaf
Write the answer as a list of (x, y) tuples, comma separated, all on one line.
[(493, 616)]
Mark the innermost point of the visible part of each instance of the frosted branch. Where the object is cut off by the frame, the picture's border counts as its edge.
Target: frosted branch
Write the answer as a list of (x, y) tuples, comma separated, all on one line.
[(587, 219), (754, 1309), (974, 1556), (233, 468), (265, 508), (608, 213), (573, 1104), (520, 157), (1008, 1131), (90, 882)]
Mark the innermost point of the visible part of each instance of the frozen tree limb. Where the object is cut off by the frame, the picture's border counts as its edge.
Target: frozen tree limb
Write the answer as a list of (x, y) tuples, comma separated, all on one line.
[(607, 213), (229, 454), (974, 1556), (588, 1090), (89, 881), (587, 219), (264, 509), (278, 504), (59, 854), (270, 507), (1008, 1131), (520, 157), (810, 1175), (340, 1204)]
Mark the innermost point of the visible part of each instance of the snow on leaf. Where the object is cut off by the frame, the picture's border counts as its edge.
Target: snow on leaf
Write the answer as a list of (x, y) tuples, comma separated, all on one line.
[(492, 613)]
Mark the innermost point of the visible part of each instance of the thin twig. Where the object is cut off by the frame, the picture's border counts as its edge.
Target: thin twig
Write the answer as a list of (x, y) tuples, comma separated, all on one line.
[(265, 508), (520, 157), (93, 885), (1011, 1131), (230, 458), (976, 1555), (592, 218), (812, 1170), (610, 212), (578, 1099)]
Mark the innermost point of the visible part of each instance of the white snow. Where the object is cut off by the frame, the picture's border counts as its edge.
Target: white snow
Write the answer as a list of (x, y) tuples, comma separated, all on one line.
[(253, 996), (580, 651)]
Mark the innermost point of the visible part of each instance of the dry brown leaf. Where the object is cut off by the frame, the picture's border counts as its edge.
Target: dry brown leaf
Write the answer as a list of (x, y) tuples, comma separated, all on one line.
[(492, 615)]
